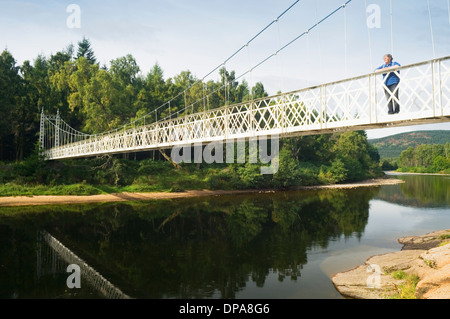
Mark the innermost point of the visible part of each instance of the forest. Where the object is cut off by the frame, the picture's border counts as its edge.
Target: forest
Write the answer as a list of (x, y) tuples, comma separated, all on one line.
[(94, 98), (426, 158)]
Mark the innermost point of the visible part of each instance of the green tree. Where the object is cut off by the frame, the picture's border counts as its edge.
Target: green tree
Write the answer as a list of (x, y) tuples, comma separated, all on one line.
[(441, 164), (353, 149), (426, 158), (407, 157), (313, 148), (61, 66), (125, 70), (229, 91), (85, 50), (213, 98), (128, 82), (10, 98), (288, 174), (36, 96), (447, 150), (152, 94), (184, 82), (258, 91), (91, 94), (242, 92)]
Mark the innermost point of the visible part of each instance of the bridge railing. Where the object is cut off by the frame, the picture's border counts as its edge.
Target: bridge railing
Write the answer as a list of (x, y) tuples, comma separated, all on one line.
[(350, 104)]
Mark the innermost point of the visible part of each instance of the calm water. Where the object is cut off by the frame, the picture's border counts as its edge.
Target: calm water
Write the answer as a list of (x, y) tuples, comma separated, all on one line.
[(269, 245)]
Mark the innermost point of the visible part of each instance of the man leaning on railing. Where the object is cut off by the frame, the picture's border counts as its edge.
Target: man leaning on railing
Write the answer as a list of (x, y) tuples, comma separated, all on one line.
[(391, 81)]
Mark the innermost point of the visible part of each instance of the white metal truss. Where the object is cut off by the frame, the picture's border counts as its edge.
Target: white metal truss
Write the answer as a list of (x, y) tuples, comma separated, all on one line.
[(352, 104)]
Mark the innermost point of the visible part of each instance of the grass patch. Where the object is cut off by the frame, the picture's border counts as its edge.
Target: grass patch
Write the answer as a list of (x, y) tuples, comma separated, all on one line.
[(445, 240), (30, 190), (407, 289)]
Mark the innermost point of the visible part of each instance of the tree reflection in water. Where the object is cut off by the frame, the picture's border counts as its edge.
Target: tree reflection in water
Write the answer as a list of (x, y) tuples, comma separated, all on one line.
[(194, 248), (419, 191)]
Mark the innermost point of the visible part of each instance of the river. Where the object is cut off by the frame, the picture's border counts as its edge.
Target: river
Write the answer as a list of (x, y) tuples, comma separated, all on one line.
[(272, 245)]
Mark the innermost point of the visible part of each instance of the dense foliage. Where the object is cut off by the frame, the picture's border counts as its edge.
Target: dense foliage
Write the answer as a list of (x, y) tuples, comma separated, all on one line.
[(303, 161), (94, 98), (426, 158)]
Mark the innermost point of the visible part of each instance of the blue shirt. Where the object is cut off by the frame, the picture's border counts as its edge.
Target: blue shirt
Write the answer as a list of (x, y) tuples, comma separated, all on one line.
[(392, 78)]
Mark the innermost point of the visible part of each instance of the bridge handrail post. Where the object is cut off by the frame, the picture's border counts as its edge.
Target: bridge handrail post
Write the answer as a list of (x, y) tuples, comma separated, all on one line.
[(57, 124), (203, 122), (441, 101), (134, 135), (433, 87), (156, 134), (375, 99), (323, 107), (227, 121), (186, 126), (347, 116), (42, 132), (251, 119), (283, 113), (370, 98)]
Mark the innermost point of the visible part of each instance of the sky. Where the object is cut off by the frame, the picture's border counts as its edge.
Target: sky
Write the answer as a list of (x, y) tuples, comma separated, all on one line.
[(200, 35)]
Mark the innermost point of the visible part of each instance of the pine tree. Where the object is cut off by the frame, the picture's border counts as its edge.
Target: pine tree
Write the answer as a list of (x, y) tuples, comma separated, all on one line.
[(85, 50)]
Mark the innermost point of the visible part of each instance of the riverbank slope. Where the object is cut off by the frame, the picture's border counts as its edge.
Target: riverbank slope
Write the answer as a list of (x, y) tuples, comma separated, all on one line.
[(119, 197)]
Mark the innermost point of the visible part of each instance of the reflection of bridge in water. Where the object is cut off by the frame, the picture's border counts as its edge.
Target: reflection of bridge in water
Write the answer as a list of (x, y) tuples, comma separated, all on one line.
[(53, 258)]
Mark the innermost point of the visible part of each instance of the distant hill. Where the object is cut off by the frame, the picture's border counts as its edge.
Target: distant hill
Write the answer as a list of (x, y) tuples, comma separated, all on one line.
[(392, 146)]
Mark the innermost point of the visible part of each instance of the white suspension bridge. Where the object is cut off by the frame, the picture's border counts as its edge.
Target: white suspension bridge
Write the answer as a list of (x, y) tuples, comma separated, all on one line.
[(357, 103)]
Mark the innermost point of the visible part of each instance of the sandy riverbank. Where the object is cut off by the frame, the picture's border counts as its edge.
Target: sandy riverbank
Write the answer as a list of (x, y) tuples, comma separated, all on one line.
[(120, 197)]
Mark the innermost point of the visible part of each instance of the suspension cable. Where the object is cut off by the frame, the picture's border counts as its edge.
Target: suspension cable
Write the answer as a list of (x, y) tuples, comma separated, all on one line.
[(248, 71), (345, 42), (212, 71), (236, 52), (279, 60), (370, 39), (431, 29), (286, 45), (392, 28), (448, 8), (251, 74), (308, 55), (272, 55), (313, 27), (319, 42)]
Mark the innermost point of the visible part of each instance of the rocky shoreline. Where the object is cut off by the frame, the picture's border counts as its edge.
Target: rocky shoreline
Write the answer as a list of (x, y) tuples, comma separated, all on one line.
[(427, 257)]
